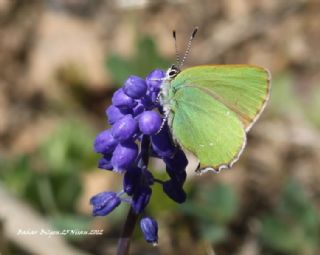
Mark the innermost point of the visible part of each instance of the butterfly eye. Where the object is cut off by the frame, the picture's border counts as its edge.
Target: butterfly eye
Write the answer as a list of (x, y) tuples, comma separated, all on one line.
[(172, 73)]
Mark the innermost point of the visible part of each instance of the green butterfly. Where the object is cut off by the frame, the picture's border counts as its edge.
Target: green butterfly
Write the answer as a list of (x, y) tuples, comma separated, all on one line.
[(210, 109)]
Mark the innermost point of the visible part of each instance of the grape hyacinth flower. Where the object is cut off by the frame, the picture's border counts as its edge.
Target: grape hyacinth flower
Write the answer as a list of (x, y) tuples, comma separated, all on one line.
[(137, 133), (149, 228), (104, 202)]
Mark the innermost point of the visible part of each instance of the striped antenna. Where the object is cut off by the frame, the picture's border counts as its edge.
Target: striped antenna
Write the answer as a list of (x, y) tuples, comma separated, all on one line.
[(195, 30), (176, 47)]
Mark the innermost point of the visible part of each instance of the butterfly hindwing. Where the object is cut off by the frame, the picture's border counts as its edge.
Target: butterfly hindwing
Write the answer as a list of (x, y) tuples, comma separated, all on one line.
[(207, 128)]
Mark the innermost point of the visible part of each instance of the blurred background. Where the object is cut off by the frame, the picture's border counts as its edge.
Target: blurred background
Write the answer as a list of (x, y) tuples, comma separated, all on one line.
[(60, 62)]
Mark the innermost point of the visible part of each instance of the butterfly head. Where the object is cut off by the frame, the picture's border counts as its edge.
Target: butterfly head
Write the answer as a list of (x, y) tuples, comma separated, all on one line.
[(173, 71)]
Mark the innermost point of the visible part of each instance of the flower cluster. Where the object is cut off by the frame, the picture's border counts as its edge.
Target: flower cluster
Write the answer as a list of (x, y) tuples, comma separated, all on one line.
[(137, 132)]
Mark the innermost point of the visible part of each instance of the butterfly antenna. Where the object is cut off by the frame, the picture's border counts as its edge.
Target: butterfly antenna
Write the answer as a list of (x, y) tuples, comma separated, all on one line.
[(176, 47), (195, 30)]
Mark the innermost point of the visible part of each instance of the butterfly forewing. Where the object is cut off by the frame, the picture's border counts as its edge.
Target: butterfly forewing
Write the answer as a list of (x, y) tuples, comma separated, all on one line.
[(244, 89)]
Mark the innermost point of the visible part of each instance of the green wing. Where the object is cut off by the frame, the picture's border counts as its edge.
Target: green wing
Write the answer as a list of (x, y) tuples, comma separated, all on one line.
[(213, 107), (207, 128), (244, 89)]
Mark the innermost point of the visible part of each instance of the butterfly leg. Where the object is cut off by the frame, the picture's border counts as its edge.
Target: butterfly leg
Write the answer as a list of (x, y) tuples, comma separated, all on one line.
[(163, 122), (166, 111), (158, 98), (160, 94)]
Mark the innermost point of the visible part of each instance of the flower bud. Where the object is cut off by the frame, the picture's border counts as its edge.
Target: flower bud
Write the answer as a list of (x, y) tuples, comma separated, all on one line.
[(177, 174), (174, 191), (135, 178), (114, 114), (147, 102), (154, 98), (135, 87), (179, 159), (176, 166), (122, 101), (132, 180), (162, 144), (138, 109), (104, 202), (104, 142), (149, 229), (148, 177), (105, 162), (125, 128), (150, 122), (154, 79), (124, 155), (141, 198)]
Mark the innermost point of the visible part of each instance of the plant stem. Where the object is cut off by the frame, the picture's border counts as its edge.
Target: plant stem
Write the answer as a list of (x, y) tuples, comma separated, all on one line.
[(145, 146), (132, 217), (124, 241)]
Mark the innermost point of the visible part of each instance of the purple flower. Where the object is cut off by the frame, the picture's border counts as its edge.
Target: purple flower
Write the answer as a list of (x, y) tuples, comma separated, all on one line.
[(154, 96), (132, 180), (177, 174), (105, 162), (174, 191), (122, 101), (154, 79), (138, 109), (104, 203), (136, 134), (114, 114), (125, 128), (149, 229), (147, 102), (141, 198), (150, 122), (162, 143), (135, 87), (176, 166), (124, 156), (104, 142)]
